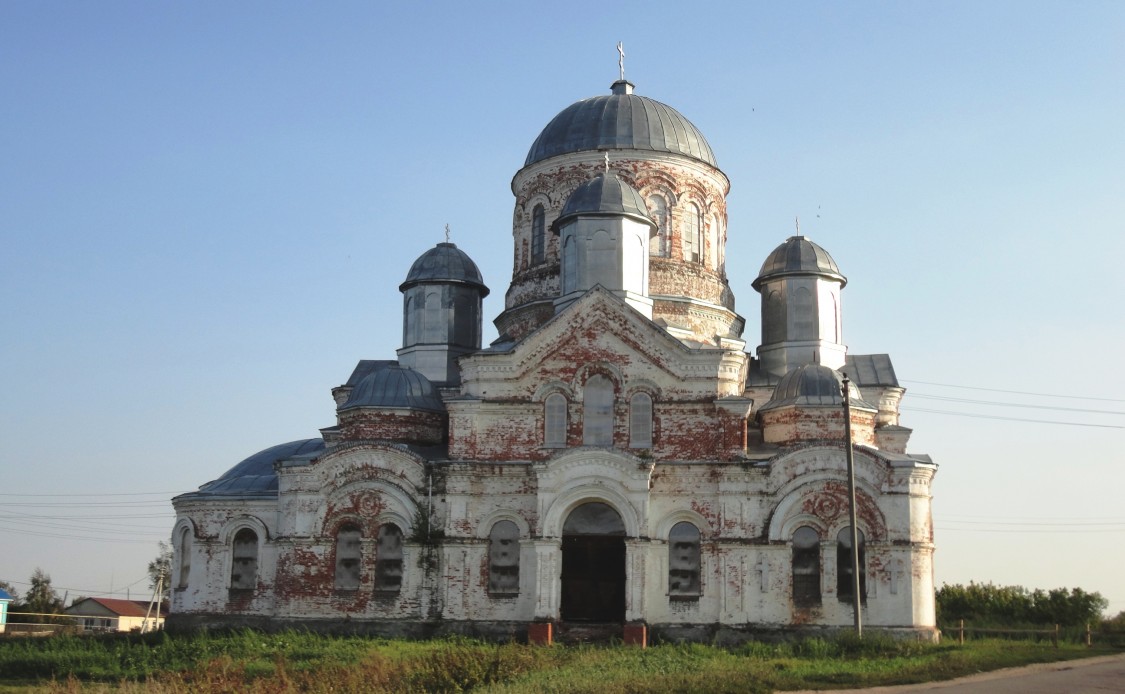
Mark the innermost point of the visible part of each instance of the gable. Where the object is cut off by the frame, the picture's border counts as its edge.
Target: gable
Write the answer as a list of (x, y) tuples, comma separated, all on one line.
[(601, 329)]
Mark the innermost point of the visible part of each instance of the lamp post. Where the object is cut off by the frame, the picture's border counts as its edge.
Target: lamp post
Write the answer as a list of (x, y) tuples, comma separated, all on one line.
[(856, 597)]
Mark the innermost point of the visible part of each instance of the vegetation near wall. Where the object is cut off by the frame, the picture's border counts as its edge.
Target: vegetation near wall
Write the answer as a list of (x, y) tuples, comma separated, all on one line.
[(248, 661), (985, 604)]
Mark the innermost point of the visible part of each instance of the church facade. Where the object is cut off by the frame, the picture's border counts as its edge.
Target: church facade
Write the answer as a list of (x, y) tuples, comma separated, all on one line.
[(618, 456)]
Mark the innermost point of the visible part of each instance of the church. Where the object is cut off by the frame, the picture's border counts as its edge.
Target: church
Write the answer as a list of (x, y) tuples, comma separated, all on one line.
[(621, 456)]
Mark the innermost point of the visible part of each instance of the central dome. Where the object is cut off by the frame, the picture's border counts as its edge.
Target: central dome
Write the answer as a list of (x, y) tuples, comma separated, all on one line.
[(620, 120)]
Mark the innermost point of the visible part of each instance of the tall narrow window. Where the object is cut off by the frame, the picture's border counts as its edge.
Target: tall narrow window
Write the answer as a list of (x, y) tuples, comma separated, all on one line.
[(504, 559), (554, 421), (773, 318), (244, 564), (845, 584), (714, 242), (805, 320), (658, 210), (806, 567), (433, 328), (597, 412), (683, 560), (388, 559), (538, 235), (692, 234), (185, 558), (347, 558), (640, 421)]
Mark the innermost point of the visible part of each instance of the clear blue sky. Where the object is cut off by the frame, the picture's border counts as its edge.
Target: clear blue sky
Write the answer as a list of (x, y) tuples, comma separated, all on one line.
[(206, 209)]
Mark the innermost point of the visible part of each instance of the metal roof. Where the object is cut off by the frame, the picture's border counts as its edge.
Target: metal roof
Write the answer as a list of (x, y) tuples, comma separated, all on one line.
[(605, 195), (255, 476), (870, 370), (620, 120), (811, 385), (394, 386), (444, 263), (798, 256)]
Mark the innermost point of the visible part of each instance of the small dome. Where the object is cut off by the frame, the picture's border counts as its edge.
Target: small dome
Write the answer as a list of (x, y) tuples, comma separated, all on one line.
[(620, 120), (812, 385), (798, 256), (255, 476), (394, 386), (444, 263), (605, 195)]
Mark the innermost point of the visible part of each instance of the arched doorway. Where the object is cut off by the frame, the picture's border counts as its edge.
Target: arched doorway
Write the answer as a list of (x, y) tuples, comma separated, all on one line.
[(593, 565)]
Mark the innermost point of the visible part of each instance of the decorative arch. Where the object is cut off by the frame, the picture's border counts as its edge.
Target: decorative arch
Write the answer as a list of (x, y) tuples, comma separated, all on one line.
[(233, 525), (484, 525), (592, 490), (666, 523), (824, 503)]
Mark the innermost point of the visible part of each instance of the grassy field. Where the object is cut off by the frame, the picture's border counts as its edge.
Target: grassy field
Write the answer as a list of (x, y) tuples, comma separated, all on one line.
[(247, 661)]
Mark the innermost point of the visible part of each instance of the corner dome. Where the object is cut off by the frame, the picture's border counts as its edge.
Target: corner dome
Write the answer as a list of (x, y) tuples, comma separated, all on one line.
[(620, 120), (798, 256), (813, 385), (396, 387), (605, 195), (255, 476), (444, 263)]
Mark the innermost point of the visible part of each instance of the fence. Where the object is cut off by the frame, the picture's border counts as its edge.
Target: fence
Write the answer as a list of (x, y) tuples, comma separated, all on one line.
[(1086, 635), (46, 624)]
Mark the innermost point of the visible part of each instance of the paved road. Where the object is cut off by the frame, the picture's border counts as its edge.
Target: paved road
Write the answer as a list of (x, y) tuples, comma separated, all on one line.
[(1090, 675)]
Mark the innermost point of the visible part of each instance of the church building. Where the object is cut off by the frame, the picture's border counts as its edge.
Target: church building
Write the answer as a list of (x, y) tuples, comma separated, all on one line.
[(619, 456)]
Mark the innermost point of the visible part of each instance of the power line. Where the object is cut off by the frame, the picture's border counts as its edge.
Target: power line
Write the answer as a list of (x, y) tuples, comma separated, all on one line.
[(1014, 419), (1014, 392), (994, 403)]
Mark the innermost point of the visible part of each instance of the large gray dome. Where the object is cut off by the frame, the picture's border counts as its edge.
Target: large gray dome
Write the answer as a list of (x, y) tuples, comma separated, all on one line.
[(621, 120), (798, 256), (394, 386), (444, 263), (255, 476), (605, 195)]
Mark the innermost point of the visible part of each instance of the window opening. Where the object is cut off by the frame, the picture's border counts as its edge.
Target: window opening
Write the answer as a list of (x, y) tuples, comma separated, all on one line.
[(658, 210), (806, 567), (185, 557), (683, 560), (348, 553), (845, 584), (504, 559), (597, 412), (693, 228), (244, 564), (554, 421), (640, 421), (388, 559), (538, 235)]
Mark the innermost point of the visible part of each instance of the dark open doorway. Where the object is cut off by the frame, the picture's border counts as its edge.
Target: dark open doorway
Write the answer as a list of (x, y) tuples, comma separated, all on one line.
[(593, 565)]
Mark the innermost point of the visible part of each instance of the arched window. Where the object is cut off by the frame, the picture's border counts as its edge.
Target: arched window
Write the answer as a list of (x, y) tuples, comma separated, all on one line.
[(773, 318), (388, 559), (658, 210), (683, 560), (554, 421), (692, 234), (185, 558), (569, 265), (244, 563), (805, 320), (845, 584), (640, 421), (715, 242), (347, 558), (806, 567), (504, 559), (433, 326), (538, 235), (409, 323), (597, 412)]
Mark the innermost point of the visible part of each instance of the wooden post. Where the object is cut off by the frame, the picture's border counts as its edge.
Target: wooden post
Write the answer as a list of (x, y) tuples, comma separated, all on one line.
[(857, 597), (961, 633), (1089, 641), (1056, 636)]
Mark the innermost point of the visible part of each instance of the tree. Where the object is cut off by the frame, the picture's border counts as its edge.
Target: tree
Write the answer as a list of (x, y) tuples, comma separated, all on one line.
[(41, 597), (10, 590), (988, 604), (161, 566)]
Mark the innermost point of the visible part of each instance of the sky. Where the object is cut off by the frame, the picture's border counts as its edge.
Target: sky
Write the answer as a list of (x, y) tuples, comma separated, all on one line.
[(206, 210)]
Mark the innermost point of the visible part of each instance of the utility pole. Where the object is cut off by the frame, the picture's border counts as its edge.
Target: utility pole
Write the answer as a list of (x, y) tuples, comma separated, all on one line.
[(157, 597), (856, 597)]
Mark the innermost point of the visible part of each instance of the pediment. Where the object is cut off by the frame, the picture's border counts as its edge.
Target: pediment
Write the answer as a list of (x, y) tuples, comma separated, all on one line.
[(600, 327)]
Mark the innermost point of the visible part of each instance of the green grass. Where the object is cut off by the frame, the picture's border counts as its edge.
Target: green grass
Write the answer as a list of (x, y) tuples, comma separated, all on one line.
[(248, 661)]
